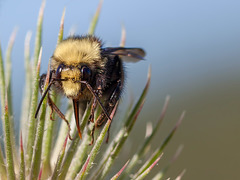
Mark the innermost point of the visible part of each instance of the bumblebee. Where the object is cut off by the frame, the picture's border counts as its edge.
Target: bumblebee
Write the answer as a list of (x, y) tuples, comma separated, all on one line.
[(84, 71)]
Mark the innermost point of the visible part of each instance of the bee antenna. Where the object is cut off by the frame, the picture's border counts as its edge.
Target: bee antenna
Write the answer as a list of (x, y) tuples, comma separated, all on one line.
[(43, 96), (96, 96)]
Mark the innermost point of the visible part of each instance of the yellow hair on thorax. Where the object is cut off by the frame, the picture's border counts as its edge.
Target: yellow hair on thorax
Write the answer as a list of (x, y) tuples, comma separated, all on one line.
[(74, 51)]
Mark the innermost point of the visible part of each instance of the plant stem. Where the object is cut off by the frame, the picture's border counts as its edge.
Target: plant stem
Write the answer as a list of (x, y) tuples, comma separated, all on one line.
[(8, 144)]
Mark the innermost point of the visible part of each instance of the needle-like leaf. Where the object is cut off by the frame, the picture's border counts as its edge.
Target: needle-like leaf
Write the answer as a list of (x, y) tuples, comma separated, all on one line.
[(147, 141), (95, 19), (35, 86), (181, 175), (60, 33), (37, 149), (160, 149), (123, 37), (8, 144), (2, 95), (27, 89), (146, 172), (120, 172), (9, 94), (22, 161), (163, 171), (50, 124), (57, 168), (2, 81)]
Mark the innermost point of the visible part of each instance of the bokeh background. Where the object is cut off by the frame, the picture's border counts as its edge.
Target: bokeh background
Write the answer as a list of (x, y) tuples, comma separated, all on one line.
[(194, 50)]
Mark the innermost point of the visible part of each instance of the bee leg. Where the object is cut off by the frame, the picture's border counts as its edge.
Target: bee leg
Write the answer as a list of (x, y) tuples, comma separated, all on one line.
[(101, 119), (115, 95), (92, 134), (101, 116), (113, 99), (110, 106), (108, 133), (94, 104), (112, 102), (51, 107), (59, 113)]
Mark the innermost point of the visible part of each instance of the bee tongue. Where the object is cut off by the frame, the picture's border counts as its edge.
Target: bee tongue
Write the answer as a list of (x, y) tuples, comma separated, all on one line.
[(76, 113)]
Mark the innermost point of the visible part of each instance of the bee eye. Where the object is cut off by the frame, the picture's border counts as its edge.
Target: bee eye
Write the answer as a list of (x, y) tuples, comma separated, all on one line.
[(86, 73), (59, 70)]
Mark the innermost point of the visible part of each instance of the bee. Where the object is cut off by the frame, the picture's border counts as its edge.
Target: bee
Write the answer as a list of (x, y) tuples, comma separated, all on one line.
[(83, 70)]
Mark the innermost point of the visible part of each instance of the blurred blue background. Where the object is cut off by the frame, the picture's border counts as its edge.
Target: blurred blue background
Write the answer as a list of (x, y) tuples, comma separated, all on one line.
[(194, 50)]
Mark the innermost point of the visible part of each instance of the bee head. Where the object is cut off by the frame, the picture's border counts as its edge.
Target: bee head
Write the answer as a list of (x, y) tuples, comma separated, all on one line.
[(76, 59), (71, 77)]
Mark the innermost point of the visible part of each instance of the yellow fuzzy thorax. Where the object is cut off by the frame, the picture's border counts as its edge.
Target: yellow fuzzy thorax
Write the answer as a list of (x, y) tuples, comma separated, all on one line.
[(72, 51)]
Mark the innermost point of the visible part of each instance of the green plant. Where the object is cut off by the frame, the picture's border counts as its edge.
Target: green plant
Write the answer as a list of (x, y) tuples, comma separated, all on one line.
[(42, 154)]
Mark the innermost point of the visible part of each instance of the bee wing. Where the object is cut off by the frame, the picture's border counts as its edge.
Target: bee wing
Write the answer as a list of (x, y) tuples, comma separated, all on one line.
[(126, 54)]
